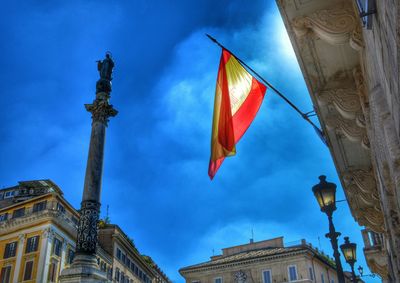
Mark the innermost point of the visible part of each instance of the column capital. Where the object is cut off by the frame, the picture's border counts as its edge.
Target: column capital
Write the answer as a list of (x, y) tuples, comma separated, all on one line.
[(101, 110)]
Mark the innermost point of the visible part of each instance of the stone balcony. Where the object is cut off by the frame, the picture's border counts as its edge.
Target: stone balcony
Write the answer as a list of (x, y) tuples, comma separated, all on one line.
[(375, 253)]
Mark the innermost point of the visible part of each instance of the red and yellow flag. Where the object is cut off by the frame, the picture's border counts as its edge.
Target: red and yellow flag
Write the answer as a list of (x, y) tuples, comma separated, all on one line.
[(238, 96)]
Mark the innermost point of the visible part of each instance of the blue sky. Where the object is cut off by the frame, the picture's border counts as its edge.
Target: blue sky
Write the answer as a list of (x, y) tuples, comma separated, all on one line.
[(157, 149)]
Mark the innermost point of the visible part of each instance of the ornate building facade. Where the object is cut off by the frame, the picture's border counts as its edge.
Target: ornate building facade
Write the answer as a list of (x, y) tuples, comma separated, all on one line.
[(38, 229), (348, 52), (267, 261)]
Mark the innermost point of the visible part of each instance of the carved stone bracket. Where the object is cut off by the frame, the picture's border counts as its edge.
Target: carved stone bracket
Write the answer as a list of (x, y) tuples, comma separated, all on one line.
[(335, 26), (87, 229), (363, 196), (345, 100), (349, 128), (375, 267)]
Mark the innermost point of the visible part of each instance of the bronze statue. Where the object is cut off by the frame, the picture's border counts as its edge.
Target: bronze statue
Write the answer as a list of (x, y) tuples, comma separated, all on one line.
[(105, 69)]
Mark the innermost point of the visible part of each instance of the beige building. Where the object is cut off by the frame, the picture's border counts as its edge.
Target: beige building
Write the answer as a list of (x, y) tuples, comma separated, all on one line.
[(267, 261), (351, 67), (129, 266), (38, 230)]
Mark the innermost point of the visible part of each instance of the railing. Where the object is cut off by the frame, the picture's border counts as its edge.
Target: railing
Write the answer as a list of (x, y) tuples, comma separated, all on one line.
[(371, 239), (55, 208)]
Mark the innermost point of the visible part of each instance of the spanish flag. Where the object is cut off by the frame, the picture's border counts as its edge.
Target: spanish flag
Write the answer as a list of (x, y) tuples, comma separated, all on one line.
[(238, 96)]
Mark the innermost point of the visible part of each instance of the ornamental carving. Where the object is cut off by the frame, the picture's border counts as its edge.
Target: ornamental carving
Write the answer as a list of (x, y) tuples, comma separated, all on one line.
[(345, 100), (348, 128), (378, 269), (101, 110), (87, 229), (335, 26), (240, 277), (363, 196)]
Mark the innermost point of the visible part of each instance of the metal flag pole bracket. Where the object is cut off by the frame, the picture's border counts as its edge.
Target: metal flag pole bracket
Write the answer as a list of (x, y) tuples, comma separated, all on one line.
[(305, 116)]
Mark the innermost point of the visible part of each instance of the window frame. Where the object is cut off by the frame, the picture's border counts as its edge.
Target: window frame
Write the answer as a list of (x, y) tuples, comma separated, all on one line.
[(219, 277), (7, 253), (31, 270), (53, 267), (9, 269), (270, 275), (295, 269), (54, 251), (34, 245), (39, 206), (4, 217), (17, 214), (9, 194), (311, 273)]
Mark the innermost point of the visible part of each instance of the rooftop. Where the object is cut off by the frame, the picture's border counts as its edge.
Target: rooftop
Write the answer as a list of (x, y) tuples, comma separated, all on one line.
[(263, 250)]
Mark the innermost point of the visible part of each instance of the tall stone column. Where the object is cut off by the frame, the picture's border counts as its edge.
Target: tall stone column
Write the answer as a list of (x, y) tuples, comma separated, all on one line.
[(84, 267)]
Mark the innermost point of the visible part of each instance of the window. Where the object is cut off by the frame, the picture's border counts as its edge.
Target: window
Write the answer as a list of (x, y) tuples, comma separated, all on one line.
[(39, 206), (311, 272), (118, 253), (109, 273), (218, 280), (4, 217), (267, 276), (366, 9), (70, 256), (322, 278), (28, 270), (10, 250), (292, 272), (57, 247), (53, 271), (32, 244), (117, 274), (332, 281), (60, 207), (19, 212), (5, 274), (75, 220), (9, 194), (103, 266), (123, 258), (122, 277), (128, 262)]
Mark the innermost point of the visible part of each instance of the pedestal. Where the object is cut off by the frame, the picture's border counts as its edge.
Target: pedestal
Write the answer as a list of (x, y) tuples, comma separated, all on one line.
[(83, 270)]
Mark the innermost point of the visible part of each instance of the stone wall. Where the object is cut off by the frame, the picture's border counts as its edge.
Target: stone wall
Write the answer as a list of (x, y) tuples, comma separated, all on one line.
[(381, 73)]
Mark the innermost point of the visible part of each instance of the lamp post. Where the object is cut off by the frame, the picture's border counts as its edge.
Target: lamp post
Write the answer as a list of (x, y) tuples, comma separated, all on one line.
[(325, 194), (349, 252)]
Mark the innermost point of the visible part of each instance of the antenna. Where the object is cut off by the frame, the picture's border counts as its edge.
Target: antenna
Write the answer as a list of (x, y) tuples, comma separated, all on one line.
[(319, 243)]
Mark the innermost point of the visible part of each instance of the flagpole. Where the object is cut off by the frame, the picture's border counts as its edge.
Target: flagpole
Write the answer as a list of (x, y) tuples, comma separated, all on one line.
[(303, 115)]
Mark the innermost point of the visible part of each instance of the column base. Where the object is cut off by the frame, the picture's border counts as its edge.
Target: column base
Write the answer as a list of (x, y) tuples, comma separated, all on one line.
[(84, 269)]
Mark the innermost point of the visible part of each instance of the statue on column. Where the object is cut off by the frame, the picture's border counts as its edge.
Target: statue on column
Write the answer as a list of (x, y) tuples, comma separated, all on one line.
[(105, 69)]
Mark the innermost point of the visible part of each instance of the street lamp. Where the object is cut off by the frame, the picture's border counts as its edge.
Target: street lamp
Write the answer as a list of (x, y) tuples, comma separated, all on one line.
[(325, 194), (349, 252)]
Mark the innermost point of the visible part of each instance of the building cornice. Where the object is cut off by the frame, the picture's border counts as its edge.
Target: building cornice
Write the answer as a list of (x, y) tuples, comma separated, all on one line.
[(239, 262)]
